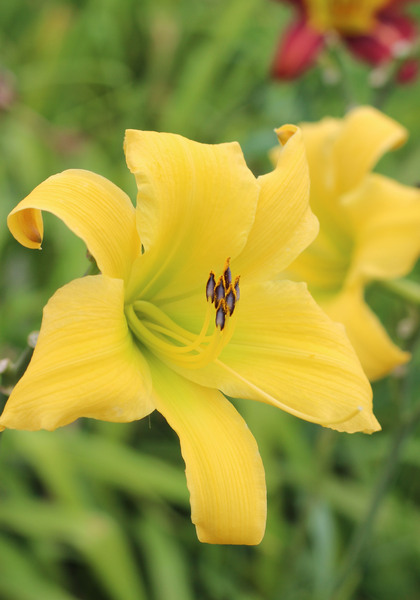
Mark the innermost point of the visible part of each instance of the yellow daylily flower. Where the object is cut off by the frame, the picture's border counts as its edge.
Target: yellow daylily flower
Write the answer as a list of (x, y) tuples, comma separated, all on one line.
[(369, 227), (168, 324)]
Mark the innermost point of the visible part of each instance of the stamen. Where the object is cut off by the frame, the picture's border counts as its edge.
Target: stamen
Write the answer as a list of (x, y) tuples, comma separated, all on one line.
[(236, 286), (158, 316), (226, 294), (172, 343), (177, 346), (219, 292), (230, 300), (227, 275), (202, 337), (210, 287), (221, 314)]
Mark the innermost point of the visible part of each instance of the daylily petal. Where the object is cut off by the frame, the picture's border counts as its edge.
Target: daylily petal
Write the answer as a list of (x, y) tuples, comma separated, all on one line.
[(225, 475), (297, 50), (366, 135), (319, 141), (390, 37), (377, 353), (323, 266), (285, 351), (196, 205), (386, 221), (92, 207), (284, 223), (318, 138), (369, 49), (400, 28), (408, 71), (85, 363)]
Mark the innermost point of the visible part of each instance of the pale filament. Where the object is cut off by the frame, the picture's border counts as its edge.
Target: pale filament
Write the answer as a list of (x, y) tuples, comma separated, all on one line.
[(181, 347), (156, 330)]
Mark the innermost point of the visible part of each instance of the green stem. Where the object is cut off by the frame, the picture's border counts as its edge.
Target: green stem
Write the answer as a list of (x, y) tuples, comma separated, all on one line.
[(404, 288), (381, 94), (339, 56)]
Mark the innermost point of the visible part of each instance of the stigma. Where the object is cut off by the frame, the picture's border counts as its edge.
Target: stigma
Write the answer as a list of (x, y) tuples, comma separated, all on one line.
[(224, 294)]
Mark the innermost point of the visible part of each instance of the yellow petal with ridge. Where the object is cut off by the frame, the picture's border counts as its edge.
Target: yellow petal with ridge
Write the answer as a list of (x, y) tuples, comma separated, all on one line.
[(318, 138), (375, 349), (284, 223), (225, 474), (366, 135), (285, 351), (323, 266), (196, 205), (85, 363), (92, 207), (318, 141), (386, 220)]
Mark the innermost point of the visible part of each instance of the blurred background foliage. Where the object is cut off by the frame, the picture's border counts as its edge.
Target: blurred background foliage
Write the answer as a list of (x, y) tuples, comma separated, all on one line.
[(101, 511)]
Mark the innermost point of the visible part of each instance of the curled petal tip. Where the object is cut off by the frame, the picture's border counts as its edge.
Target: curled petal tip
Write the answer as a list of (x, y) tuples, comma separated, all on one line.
[(285, 132), (34, 236), (27, 227)]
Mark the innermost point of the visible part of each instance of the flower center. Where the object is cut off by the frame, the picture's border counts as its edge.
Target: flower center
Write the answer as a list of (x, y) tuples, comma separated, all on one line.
[(346, 16), (224, 294), (179, 346)]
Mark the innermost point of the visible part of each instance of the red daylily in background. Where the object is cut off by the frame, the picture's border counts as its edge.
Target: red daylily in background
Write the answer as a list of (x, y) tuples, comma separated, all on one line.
[(375, 31)]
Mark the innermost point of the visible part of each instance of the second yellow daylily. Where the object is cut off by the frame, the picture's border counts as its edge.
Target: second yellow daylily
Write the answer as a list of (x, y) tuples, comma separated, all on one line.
[(186, 311), (369, 227)]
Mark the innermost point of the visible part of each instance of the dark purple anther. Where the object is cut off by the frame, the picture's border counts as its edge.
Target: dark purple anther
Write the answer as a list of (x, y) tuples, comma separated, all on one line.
[(211, 284), (236, 286), (230, 300), (227, 276), (219, 291), (221, 315)]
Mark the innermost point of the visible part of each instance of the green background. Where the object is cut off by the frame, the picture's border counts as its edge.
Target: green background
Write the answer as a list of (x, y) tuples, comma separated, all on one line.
[(101, 511)]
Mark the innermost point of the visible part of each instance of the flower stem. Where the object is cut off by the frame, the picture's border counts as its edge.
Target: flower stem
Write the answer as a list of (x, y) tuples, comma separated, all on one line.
[(404, 288), (338, 56)]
